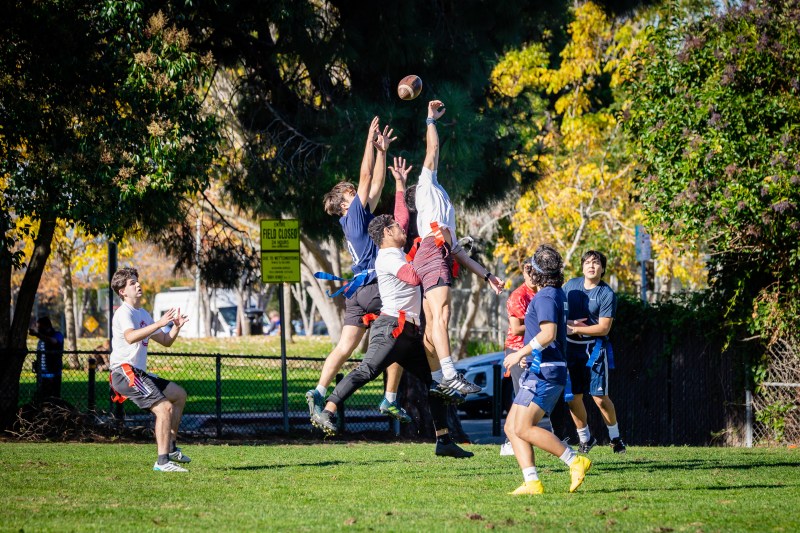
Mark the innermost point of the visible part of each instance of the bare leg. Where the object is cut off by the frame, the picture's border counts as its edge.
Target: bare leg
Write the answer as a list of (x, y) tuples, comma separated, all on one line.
[(176, 395), (393, 374), (351, 337), (438, 300), (163, 412), (578, 411), (607, 409)]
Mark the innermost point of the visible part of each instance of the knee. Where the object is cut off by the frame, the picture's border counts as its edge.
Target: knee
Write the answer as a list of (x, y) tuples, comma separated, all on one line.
[(180, 396), (509, 428), (163, 409)]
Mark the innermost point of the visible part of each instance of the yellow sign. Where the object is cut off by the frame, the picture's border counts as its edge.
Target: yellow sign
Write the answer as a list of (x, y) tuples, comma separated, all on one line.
[(91, 324), (280, 251), (280, 235)]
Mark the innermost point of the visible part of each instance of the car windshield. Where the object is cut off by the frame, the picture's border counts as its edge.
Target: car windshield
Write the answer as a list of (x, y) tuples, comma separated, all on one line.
[(229, 314)]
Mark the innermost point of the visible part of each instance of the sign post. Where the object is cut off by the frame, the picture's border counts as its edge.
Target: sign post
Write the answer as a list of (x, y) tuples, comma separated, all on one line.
[(643, 255), (280, 263)]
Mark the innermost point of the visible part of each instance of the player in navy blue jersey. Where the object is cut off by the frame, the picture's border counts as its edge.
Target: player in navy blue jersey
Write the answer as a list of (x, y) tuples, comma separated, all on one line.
[(592, 307)]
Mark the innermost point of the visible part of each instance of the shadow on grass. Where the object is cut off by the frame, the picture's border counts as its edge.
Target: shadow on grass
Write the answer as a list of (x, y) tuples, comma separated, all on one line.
[(685, 464), (317, 463), (699, 487)]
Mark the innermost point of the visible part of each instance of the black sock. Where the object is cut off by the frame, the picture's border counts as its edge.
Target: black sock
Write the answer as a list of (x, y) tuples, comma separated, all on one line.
[(174, 447), (163, 458), (329, 413), (444, 439)]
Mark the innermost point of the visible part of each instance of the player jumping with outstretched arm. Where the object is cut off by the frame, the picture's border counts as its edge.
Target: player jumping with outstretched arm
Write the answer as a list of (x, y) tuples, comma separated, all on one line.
[(354, 208), (545, 377), (436, 223), (395, 334), (132, 329)]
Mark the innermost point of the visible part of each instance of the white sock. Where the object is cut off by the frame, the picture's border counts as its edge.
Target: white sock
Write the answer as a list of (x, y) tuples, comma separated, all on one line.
[(613, 431), (529, 474), (437, 375), (323, 391), (448, 369), (568, 456), (391, 396), (584, 434)]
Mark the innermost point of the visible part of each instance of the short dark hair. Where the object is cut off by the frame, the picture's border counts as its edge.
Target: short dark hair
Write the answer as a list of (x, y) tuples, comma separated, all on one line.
[(121, 277), (594, 254), (410, 197), (44, 322), (376, 227), (332, 201), (548, 267)]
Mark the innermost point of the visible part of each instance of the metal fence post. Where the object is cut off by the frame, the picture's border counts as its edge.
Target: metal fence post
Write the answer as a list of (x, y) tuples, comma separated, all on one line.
[(340, 411), (219, 395), (90, 394), (497, 399), (748, 408)]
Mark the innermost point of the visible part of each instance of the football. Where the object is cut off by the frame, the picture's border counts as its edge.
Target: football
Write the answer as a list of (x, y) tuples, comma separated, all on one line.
[(409, 87)]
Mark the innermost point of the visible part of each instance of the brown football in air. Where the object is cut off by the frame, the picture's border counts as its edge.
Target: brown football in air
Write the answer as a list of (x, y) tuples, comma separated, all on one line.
[(409, 87)]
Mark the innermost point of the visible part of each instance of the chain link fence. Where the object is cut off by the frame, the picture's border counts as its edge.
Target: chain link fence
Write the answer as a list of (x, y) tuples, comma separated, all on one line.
[(228, 395), (776, 397)]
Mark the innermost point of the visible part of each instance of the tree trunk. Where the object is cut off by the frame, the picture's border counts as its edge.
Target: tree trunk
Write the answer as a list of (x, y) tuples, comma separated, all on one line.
[(465, 330), (331, 309), (11, 361), (68, 293), (242, 324), (5, 297)]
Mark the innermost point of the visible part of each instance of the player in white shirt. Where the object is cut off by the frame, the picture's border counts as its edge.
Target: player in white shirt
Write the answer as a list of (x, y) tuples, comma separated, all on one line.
[(132, 330)]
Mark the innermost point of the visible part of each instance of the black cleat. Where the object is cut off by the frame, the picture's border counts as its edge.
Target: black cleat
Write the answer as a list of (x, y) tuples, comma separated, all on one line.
[(585, 447), (449, 396), (452, 450), (618, 446)]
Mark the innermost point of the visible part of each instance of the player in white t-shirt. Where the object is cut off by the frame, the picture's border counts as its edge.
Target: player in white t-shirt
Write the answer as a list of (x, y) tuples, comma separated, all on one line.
[(132, 330)]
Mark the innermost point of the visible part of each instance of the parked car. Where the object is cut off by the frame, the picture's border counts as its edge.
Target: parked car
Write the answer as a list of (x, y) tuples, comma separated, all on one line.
[(479, 370)]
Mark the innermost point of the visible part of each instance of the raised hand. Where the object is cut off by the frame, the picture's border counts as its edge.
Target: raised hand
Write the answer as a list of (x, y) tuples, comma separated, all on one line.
[(374, 128), (167, 317), (180, 319), (435, 109), (384, 139), (400, 170)]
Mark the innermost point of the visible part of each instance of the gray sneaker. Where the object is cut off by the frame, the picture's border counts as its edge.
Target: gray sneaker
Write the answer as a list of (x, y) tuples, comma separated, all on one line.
[(178, 457), (324, 421), (446, 395), (460, 384), (316, 403)]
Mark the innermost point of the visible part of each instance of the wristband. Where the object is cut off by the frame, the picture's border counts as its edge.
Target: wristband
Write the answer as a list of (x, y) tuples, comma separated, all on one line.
[(535, 345), (430, 120), (487, 276)]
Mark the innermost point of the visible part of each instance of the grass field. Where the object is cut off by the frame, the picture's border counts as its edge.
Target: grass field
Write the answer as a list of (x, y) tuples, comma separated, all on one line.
[(391, 487)]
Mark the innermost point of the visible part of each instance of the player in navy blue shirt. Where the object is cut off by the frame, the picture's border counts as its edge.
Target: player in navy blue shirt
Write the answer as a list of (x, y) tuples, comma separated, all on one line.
[(355, 209), (49, 358), (592, 307), (545, 377)]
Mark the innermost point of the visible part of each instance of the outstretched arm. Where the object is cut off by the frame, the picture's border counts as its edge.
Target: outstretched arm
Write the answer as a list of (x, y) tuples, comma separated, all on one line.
[(379, 172), (367, 163), (435, 110), (476, 268), (400, 172)]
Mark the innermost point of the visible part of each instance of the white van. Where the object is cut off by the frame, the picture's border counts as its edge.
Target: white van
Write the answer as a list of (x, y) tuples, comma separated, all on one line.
[(223, 310)]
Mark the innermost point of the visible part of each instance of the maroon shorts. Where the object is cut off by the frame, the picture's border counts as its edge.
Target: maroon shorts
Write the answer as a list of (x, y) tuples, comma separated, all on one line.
[(434, 264)]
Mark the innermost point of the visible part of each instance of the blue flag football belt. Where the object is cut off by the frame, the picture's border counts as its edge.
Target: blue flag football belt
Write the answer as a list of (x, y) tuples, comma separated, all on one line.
[(598, 348), (349, 288)]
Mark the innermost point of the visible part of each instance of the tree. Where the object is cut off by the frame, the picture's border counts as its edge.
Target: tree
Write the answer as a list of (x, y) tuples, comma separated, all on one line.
[(715, 115), (101, 126), (567, 119)]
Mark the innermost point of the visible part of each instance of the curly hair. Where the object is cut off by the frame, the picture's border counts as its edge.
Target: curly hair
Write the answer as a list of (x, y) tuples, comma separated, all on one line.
[(548, 267), (332, 201), (376, 227)]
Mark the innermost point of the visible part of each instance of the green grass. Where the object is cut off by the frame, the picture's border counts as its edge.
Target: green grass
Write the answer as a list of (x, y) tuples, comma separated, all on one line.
[(391, 487)]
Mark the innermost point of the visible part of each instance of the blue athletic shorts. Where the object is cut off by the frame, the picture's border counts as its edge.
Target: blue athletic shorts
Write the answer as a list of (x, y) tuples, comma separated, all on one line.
[(592, 380), (543, 393)]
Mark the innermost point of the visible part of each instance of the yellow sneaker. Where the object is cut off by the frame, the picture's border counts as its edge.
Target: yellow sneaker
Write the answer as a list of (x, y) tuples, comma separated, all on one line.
[(578, 470), (529, 487)]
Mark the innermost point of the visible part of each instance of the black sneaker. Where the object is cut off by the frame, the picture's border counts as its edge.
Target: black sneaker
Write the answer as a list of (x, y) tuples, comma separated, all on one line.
[(585, 447), (447, 395), (460, 384), (617, 445), (324, 421), (452, 449)]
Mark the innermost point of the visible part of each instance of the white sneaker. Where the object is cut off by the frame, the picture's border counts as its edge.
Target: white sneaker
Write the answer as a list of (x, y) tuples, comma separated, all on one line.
[(178, 457), (506, 449), (168, 467)]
